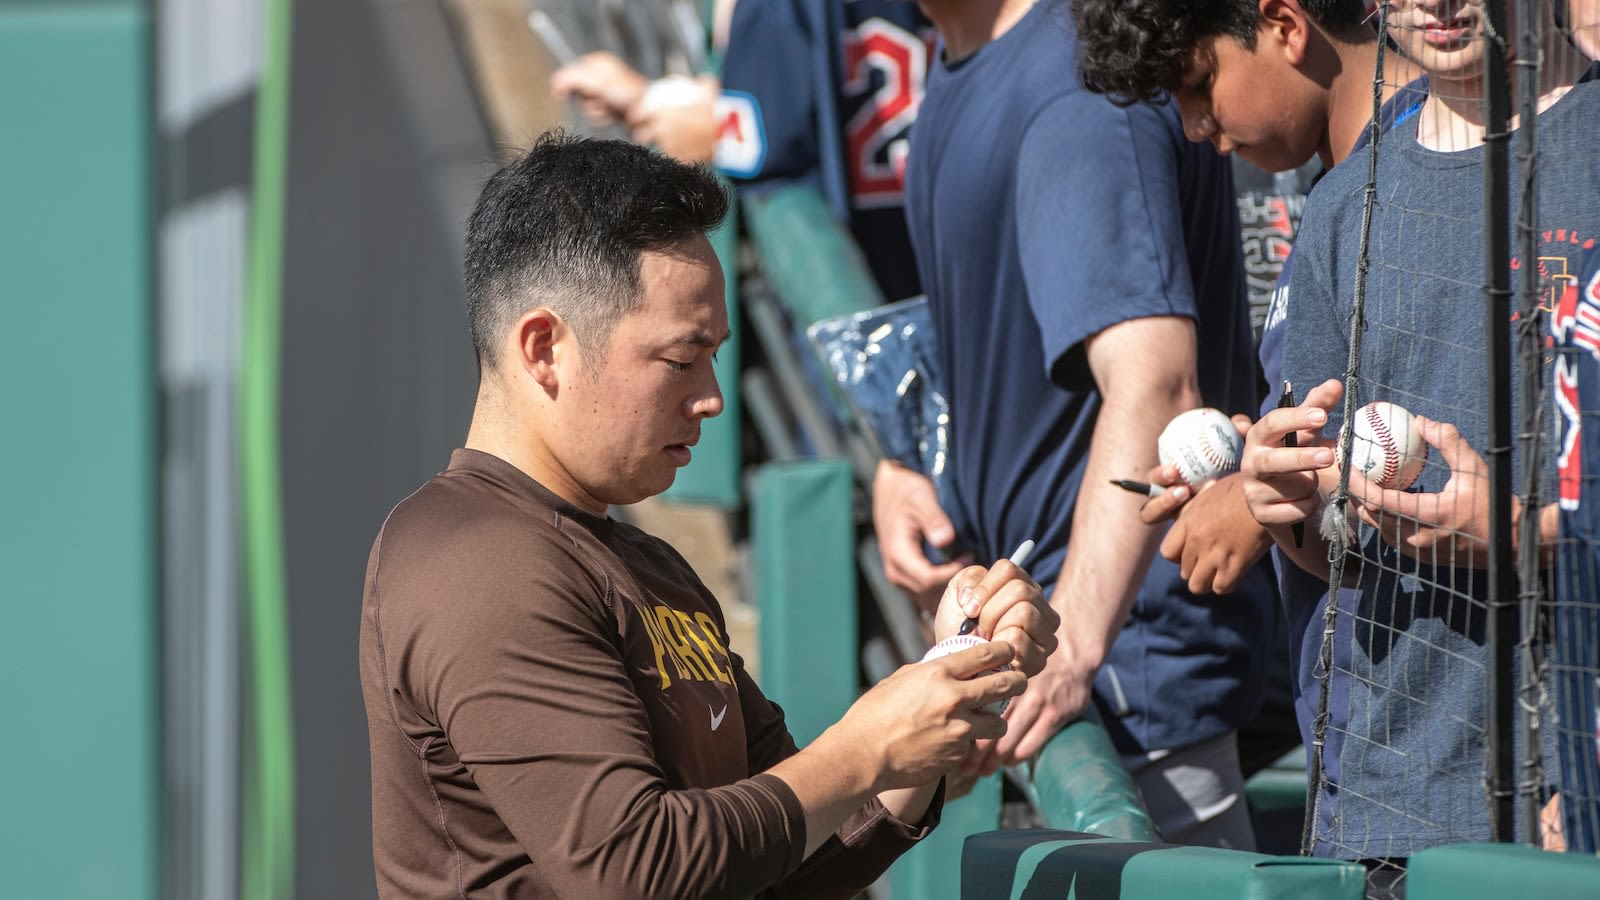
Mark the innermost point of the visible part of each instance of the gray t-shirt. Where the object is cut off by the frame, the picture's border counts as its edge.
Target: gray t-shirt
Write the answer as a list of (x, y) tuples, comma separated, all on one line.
[(1408, 714)]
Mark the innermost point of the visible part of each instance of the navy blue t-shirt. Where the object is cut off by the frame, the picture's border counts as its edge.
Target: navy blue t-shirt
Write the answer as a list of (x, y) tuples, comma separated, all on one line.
[(1041, 215), (824, 92)]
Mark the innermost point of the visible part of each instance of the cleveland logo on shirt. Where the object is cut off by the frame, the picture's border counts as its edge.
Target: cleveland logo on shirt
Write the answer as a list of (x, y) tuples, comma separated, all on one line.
[(689, 647), (1576, 324)]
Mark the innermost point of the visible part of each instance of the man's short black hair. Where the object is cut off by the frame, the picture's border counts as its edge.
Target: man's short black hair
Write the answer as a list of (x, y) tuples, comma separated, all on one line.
[(564, 225), (1136, 51)]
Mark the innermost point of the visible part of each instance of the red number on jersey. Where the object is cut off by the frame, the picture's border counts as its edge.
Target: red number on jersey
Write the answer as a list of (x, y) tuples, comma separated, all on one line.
[(875, 136)]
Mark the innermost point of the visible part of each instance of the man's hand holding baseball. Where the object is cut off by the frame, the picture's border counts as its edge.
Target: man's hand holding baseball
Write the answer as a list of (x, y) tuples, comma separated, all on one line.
[(1009, 607), (922, 721)]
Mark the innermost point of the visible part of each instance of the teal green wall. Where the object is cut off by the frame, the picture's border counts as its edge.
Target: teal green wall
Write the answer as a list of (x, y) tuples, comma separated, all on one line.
[(78, 520)]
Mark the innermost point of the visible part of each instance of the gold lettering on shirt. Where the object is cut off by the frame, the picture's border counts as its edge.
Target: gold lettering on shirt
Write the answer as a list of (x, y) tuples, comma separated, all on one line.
[(708, 627), (692, 642), (694, 666), (707, 654), (662, 647)]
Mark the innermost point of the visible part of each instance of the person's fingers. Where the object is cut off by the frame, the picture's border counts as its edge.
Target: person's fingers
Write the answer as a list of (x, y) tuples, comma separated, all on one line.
[(1160, 508), (1243, 423), (1373, 502), (1285, 512), (1021, 716), (597, 113), (926, 512), (1033, 646), (1272, 428), (1043, 729), (1171, 548), (978, 660), (975, 597), (984, 687), (1266, 462), (997, 603), (985, 758), (961, 588), (1454, 450), (1324, 396), (1202, 574), (976, 760), (562, 83), (1166, 476), (906, 565), (1228, 576)]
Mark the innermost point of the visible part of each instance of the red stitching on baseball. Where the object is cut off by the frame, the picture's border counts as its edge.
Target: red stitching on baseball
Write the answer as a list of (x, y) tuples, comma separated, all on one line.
[(1391, 454)]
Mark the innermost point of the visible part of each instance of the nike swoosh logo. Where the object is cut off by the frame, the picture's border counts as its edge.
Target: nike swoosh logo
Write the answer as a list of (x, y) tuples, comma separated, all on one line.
[(716, 717)]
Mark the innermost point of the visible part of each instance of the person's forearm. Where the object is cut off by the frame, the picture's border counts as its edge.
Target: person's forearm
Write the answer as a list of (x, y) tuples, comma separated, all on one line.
[(909, 804), (1111, 548), (831, 782)]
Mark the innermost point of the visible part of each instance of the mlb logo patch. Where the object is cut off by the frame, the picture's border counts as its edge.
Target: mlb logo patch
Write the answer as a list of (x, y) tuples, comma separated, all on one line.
[(741, 136)]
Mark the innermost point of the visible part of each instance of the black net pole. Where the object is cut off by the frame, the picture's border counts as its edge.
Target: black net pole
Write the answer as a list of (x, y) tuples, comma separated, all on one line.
[(1502, 572), (1530, 346)]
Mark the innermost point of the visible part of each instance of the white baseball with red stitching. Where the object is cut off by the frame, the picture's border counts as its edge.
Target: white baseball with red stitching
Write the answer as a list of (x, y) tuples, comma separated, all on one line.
[(1386, 446), (1201, 444), (957, 643)]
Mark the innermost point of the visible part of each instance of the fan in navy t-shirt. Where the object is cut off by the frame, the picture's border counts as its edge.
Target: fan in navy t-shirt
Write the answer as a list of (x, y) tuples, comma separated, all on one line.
[(1049, 225)]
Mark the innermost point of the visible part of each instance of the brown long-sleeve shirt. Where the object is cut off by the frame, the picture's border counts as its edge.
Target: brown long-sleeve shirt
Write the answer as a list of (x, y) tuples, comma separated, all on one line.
[(554, 711)]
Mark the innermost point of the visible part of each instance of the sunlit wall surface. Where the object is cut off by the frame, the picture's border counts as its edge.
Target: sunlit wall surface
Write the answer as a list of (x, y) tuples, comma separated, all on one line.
[(78, 650)]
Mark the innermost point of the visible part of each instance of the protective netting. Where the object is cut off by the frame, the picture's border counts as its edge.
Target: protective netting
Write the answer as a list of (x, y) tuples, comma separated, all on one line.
[(1439, 270)]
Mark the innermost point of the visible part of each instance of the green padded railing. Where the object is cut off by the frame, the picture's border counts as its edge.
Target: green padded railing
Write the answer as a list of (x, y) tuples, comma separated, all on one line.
[(1501, 872), (1042, 863), (1079, 784), (810, 260), (803, 537)]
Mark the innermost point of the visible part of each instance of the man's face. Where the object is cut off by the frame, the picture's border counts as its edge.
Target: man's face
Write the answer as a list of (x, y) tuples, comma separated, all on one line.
[(1246, 101), (1444, 37), (627, 421)]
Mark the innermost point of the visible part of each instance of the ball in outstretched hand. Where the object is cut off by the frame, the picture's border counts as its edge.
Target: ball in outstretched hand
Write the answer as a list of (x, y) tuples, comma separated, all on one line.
[(1201, 444)]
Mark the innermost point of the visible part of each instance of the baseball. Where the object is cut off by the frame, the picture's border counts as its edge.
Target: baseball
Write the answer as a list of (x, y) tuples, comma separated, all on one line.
[(1386, 446), (1202, 444), (956, 644), (674, 90)]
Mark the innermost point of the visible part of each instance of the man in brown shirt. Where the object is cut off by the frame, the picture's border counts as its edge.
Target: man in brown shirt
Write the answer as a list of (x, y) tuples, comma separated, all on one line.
[(553, 706)]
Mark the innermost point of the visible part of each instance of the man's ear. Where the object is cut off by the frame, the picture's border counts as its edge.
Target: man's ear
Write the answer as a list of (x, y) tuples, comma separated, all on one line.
[(1287, 26), (539, 343)]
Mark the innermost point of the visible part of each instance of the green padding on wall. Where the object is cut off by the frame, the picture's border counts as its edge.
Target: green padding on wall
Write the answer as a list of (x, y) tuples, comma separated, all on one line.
[(811, 261), (78, 651), (1501, 871), (713, 476), (932, 869), (1042, 863), (803, 531), (1079, 784)]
